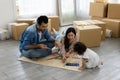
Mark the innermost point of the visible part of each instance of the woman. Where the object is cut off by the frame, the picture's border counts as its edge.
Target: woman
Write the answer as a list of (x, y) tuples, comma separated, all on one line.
[(67, 43)]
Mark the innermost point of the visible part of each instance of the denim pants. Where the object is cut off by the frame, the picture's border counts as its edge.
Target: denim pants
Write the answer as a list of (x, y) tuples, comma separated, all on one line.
[(36, 53)]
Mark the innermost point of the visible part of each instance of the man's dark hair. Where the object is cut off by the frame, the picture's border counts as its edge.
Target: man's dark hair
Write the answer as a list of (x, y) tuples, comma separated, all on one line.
[(42, 19), (80, 48)]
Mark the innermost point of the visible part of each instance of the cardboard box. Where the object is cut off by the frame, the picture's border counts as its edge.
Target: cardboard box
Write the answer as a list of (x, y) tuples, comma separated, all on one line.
[(89, 35), (80, 23), (98, 9), (17, 30), (49, 25), (29, 21), (101, 1), (114, 25), (100, 24), (55, 22), (114, 11), (97, 18), (10, 29), (92, 22)]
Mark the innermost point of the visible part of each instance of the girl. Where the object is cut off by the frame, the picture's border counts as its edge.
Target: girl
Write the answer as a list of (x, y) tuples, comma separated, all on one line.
[(89, 58)]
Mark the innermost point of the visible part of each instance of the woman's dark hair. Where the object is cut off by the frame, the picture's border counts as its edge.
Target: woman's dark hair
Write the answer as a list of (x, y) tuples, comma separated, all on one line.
[(42, 19), (80, 48), (66, 40)]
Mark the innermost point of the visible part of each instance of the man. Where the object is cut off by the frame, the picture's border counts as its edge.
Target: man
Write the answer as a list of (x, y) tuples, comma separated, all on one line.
[(35, 41)]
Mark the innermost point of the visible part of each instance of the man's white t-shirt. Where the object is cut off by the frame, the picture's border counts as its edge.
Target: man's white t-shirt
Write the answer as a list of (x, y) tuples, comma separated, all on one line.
[(40, 35), (93, 58)]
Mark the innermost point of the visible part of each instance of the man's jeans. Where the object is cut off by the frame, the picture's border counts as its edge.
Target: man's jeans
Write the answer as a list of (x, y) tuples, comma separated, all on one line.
[(35, 53)]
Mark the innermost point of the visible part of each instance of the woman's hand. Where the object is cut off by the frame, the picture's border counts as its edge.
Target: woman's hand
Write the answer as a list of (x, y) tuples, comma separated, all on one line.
[(67, 55), (63, 58)]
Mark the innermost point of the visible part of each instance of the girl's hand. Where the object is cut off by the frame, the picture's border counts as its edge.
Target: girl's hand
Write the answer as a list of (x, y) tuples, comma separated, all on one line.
[(80, 68)]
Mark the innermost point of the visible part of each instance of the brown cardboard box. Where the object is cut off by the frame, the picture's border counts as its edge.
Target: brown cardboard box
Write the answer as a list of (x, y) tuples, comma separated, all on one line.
[(17, 30), (10, 28), (49, 25), (32, 21), (113, 11), (29, 21), (100, 24), (89, 35), (101, 1), (55, 22), (114, 25), (98, 9), (97, 18), (80, 23), (92, 22)]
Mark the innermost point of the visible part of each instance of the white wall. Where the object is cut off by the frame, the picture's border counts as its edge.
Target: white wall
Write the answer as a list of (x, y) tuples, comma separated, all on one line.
[(7, 12)]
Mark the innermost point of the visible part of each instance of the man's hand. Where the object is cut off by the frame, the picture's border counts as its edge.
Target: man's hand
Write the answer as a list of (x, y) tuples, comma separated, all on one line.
[(42, 46)]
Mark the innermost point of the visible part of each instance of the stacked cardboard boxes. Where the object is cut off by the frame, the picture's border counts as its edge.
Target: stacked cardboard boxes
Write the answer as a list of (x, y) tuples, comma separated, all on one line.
[(92, 22), (113, 19), (114, 25), (113, 15)]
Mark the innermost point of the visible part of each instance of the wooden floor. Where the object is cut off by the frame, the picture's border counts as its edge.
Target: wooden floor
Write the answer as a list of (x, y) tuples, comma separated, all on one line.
[(12, 69)]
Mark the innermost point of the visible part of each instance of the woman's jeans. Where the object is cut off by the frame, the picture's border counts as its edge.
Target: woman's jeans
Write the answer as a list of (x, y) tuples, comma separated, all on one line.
[(36, 53)]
